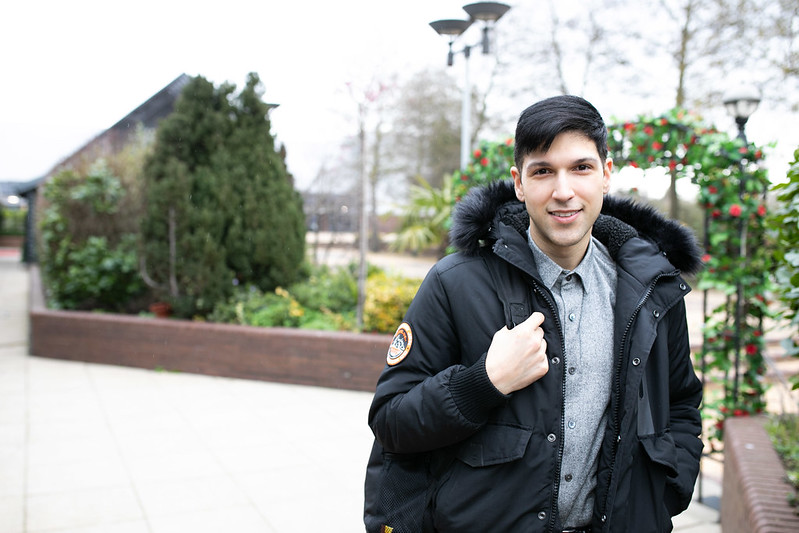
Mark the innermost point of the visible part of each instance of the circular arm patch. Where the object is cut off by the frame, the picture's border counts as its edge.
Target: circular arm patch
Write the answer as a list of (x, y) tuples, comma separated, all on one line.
[(401, 345)]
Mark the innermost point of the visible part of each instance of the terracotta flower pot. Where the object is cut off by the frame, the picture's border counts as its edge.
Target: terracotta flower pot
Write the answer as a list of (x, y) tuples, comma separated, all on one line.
[(161, 309)]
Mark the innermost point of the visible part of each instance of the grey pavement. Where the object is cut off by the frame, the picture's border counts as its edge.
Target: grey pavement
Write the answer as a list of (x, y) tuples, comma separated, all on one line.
[(88, 448)]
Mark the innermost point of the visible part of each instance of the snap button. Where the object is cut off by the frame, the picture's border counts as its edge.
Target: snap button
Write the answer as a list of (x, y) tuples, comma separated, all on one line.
[(604, 518), (683, 286), (636, 361), (569, 277), (568, 477), (572, 316), (551, 437), (542, 515), (572, 424), (656, 313), (618, 438), (555, 360), (572, 370)]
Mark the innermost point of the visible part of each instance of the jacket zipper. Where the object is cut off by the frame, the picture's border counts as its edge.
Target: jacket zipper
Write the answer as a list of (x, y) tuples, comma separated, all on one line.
[(617, 385), (556, 316)]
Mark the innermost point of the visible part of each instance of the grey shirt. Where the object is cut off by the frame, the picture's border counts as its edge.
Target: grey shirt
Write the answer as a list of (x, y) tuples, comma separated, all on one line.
[(585, 298)]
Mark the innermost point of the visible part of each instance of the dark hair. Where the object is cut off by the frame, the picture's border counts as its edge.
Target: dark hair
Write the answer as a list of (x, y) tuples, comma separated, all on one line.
[(540, 123)]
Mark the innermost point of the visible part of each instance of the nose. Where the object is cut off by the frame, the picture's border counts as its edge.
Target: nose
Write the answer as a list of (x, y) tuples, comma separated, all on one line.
[(563, 190)]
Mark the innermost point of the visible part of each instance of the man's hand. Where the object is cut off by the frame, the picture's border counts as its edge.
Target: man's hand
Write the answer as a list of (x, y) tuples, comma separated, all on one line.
[(518, 357)]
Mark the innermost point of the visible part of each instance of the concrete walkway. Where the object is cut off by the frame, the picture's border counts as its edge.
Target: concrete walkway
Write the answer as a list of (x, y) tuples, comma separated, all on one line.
[(87, 448)]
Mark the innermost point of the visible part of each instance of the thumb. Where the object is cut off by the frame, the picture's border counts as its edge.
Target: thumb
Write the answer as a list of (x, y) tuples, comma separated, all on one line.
[(534, 320)]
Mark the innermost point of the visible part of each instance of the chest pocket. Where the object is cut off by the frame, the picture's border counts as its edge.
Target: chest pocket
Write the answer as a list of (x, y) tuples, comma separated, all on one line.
[(494, 444), (511, 290)]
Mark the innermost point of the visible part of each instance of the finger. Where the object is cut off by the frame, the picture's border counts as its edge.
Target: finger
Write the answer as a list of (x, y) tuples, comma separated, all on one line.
[(534, 320)]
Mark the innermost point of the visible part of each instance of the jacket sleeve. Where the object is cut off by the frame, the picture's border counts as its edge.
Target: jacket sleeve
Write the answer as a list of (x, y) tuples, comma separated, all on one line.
[(685, 396), (429, 399)]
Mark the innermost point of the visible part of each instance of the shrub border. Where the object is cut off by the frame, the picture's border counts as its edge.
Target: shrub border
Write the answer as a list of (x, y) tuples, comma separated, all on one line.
[(306, 357)]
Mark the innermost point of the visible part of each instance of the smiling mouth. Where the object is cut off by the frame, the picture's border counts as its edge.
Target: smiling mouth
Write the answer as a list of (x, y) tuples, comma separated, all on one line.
[(564, 214)]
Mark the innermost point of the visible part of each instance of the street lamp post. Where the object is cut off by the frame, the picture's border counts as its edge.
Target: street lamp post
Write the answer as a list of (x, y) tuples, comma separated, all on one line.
[(740, 103), (488, 13)]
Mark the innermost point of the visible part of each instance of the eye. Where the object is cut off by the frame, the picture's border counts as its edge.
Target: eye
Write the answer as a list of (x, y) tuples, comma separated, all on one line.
[(583, 168), (540, 172)]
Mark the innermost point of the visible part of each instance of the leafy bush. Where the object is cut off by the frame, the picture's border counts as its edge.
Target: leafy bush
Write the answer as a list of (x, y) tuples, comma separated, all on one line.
[(325, 301), (12, 221), (87, 262), (785, 224), (784, 433), (387, 299)]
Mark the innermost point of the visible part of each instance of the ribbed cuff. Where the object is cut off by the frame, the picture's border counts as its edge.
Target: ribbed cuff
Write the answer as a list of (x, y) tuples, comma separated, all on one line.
[(473, 392)]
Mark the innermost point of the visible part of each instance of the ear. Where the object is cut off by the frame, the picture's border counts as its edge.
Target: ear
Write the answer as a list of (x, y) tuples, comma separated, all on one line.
[(517, 183), (606, 170)]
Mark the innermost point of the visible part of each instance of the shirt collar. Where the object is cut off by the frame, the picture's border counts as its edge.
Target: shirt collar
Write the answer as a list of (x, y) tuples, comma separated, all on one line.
[(550, 271)]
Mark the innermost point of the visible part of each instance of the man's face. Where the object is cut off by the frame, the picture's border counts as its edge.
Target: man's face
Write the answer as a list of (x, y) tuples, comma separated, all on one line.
[(562, 190)]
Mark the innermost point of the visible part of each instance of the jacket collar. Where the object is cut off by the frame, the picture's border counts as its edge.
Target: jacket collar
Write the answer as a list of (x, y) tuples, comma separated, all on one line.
[(489, 213)]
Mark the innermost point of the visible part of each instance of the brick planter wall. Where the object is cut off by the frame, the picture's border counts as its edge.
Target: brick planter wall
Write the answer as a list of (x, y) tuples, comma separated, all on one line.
[(754, 489), (327, 359)]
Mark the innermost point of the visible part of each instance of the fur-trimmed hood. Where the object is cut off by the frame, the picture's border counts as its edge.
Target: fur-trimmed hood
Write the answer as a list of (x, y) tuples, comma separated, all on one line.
[(475, 218)]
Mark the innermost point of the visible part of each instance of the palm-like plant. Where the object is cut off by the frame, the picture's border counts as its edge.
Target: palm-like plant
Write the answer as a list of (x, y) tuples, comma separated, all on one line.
[(427, 219)]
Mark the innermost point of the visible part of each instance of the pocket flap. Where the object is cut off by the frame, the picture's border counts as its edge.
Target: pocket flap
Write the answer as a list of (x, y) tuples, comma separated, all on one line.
[(662, 450), (494, 444)]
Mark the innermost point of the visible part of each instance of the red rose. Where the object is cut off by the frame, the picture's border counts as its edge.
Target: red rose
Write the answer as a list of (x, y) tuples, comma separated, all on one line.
[(761, 210), (758, 154), (757, 333), (633, 164), (706, 258), (464, 177), (657, 145), (649, 130), (509, 141), (735, 210), (629, 126), (744, 150), (712, 189), (739, 412), (484, 161), (663, 122), (716, 213), (477, 153), (672, 165), (751, 349)]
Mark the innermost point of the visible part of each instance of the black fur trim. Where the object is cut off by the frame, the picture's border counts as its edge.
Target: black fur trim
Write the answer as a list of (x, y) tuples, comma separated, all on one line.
[(474, 214), (676, 240)]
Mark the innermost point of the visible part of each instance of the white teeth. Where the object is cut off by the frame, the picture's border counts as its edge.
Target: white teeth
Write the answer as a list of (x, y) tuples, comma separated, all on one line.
[(564, 215)]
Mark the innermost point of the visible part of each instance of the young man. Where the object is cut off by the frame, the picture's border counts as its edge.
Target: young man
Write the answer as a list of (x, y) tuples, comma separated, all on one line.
[(584, 416)]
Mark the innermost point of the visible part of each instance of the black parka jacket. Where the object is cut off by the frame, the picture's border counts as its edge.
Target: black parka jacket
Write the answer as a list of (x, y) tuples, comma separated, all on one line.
[(496, 457)]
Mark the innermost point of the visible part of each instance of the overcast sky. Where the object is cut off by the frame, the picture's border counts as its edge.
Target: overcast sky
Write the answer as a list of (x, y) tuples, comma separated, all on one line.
[(72, 69)]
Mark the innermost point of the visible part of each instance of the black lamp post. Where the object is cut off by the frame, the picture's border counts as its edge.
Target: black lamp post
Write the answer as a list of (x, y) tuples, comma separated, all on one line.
[(740, 103), (488, 13)]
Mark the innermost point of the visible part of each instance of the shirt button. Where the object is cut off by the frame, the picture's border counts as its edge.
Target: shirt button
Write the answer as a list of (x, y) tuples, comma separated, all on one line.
[(551, 437), (572, 317), (568, 477), (569, 277), (572, 424), (542, 515), (572, 370)]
